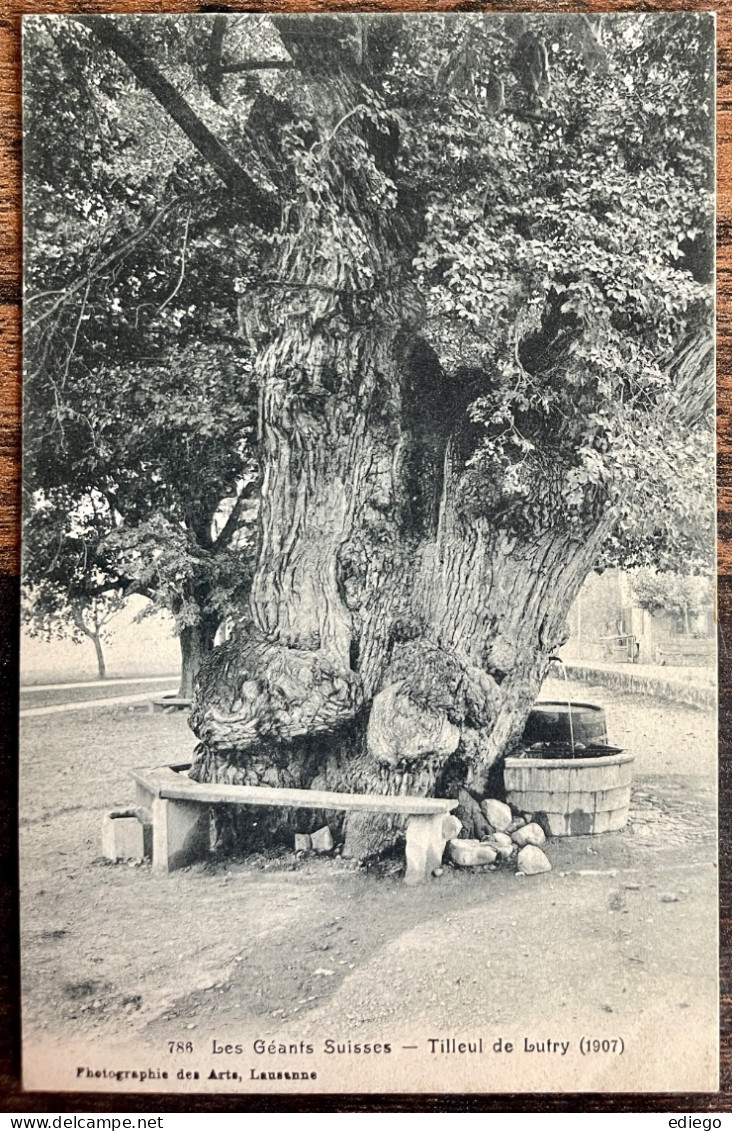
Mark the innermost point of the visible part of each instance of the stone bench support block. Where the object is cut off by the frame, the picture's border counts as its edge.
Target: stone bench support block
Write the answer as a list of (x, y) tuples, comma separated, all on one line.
[(181, 833), (144, 796), (126, 835), (426, 840)]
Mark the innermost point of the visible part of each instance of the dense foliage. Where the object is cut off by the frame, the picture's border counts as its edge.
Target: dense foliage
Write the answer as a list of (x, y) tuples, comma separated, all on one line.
[(567, 253), (559, 225), (545, 189), (139, 458), (672, 593)]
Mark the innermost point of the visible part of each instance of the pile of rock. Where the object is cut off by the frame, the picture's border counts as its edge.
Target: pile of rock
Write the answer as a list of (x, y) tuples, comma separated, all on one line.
[(510, 837)]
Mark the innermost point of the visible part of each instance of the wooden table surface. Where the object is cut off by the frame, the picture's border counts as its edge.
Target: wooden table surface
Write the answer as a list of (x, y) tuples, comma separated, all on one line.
[(10, 398)]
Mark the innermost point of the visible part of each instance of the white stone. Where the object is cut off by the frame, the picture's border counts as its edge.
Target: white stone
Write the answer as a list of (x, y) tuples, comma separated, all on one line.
[(529, 834), (470, 853), (322, 840), (532, 861), (303, 842), (497, 813), (503, 845), (451, 826)]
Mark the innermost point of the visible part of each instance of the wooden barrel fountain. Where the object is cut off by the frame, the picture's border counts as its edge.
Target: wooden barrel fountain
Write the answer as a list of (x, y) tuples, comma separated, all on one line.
[(566, 774), (574, 795), (549, 721)]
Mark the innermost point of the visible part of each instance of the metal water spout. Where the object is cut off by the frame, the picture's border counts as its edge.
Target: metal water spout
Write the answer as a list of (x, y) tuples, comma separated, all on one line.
[(559, 660)]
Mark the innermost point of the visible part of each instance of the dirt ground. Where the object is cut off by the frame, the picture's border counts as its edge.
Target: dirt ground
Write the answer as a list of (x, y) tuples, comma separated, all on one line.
[(624, 927)]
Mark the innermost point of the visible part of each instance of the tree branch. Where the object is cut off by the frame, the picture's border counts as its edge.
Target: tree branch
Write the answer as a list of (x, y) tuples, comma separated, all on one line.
[(79, 622), (212, 77), (692, 370), (227, 530), (262, 209), (256, 65), (181, 277), (107, 261)]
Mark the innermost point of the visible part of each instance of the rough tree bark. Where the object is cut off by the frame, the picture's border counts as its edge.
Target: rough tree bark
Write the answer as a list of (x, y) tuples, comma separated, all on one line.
[(396, 643), (196, 643)]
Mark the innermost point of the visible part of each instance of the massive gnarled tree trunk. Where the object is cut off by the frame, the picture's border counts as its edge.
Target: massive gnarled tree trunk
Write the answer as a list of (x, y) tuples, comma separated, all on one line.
[(396, 642)]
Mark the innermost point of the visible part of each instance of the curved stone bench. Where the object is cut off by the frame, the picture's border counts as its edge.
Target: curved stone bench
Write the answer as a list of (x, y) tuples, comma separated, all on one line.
[(181, 832)]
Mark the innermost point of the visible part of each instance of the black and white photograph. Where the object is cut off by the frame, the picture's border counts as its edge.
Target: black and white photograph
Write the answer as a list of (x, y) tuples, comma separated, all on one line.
[(368, 698)]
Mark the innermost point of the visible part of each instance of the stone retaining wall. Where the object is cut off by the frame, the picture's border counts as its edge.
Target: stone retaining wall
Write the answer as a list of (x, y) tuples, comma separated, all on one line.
[(642, 683)]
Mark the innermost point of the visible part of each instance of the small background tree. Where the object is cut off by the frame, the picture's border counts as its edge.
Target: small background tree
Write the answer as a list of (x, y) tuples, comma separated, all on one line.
[(53, 615), (683, 596)]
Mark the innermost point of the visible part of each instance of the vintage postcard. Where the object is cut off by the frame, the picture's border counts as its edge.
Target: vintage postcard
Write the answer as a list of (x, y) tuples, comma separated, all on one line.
[(368, 697)]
